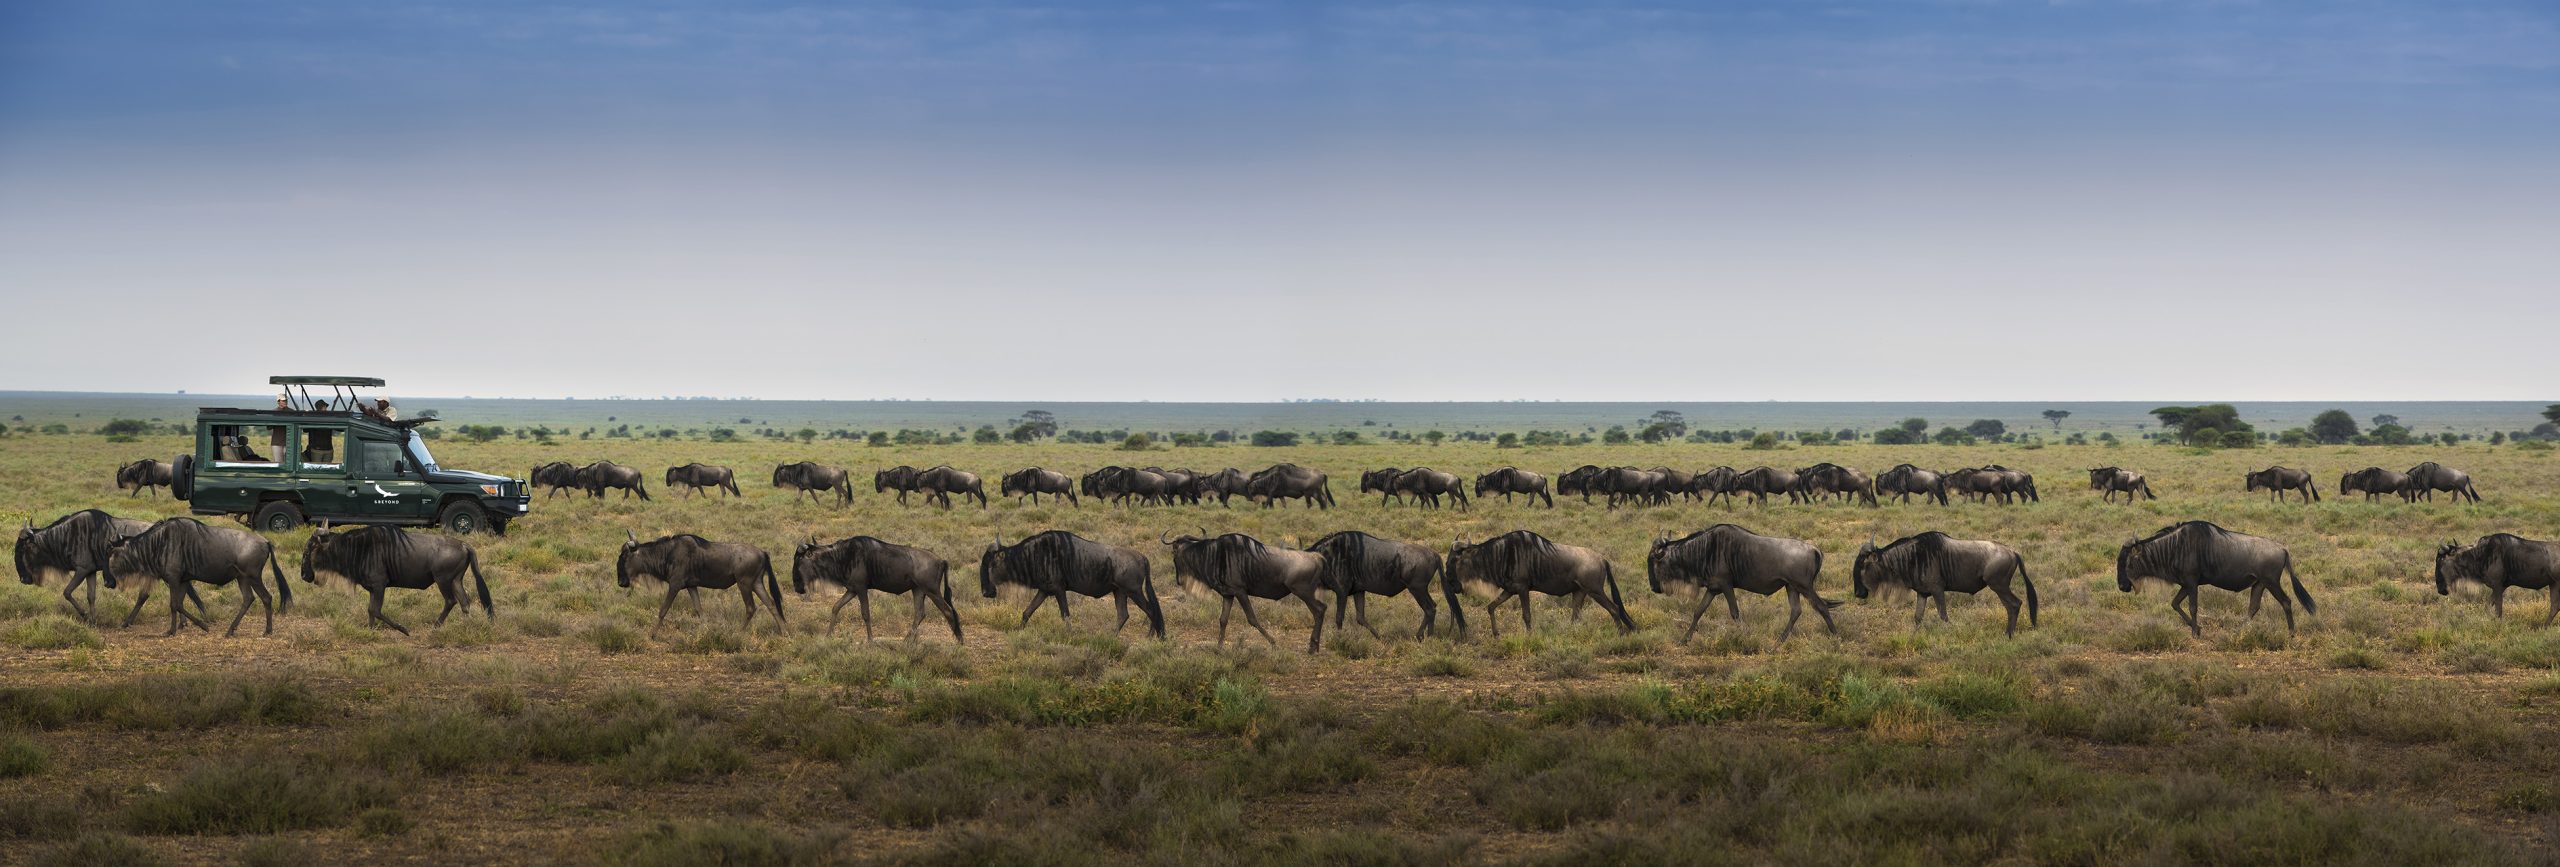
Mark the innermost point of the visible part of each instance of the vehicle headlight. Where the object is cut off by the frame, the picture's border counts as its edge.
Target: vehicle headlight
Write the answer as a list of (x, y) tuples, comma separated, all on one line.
[(491, 490)]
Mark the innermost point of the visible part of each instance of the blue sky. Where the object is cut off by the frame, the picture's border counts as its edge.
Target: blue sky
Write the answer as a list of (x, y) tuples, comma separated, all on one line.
[(1967, 199)]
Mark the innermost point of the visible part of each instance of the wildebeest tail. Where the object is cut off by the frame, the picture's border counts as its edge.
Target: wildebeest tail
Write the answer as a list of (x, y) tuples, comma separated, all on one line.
[(1449, 590), (2308, 607), (1155, 608), (472, 559), (1827, 604), (772, 585), (1610, 573), (284, 588), (2031, 591)]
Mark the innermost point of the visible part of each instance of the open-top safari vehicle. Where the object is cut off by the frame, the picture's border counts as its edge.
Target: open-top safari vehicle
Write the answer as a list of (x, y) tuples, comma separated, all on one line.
[(334, 461)]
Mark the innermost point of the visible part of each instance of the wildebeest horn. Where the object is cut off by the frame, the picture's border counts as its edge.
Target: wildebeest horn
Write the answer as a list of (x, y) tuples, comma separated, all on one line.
[(629, 535), (1163, 539)]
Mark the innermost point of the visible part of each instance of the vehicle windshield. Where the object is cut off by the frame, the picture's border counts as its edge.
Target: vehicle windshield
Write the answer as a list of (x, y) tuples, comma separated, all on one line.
[(418, 449)]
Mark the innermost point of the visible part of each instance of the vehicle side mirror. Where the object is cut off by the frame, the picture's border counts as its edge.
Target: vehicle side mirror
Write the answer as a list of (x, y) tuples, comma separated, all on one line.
[(400, 466)]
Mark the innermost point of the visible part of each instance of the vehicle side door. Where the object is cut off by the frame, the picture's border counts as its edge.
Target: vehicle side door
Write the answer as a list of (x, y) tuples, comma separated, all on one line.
[(386, 487), (320, 471)]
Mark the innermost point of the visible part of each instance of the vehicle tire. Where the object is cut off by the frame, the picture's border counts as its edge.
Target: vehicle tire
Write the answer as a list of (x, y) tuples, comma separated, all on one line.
[(182, 477), (497, 526), (463, 518), (280, 516)]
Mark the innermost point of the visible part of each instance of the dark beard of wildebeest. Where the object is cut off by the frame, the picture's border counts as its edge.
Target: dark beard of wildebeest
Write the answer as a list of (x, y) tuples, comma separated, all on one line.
[(556, 475), (1715, 483), (1760, 482), (861, 564), (181, 551), (1646, 487), (901, 478), (695, 477), (1034, 481), (2374, 482), (1579, 481), (943, 481), (1904, 480), (2277, 480), (1931, 565), (1381, 481), (1289, 482), (809, 477), (1827, 479), (1521, 562), (1057, 563), (1358, 564), (2428, 478), (1726, 559), (2198, 554), (1514, 480), (687, 562), (2499, 561), (1429, 485), (1221, 484), (1240, 569), (600, 475), (2118, 480), (380, 558), (146, 474), (77, 545)]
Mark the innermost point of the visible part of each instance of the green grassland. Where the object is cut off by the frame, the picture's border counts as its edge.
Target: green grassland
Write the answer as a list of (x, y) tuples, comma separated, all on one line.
[(2396, 726)]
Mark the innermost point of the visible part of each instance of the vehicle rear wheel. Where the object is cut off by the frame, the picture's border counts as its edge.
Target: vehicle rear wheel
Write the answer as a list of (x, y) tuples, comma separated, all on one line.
[(182, 477), (463, 519), (277, 517)]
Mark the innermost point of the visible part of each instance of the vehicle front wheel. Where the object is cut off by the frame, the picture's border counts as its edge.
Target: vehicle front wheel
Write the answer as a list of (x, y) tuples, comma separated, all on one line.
[(277, 517), (463, 519)]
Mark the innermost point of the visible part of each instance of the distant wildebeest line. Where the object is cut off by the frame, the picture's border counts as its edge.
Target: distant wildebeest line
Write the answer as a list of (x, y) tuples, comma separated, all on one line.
[(685, 561), (2118, 480), (810, 477), (380, 558), (861, 564), (2197, 554), (695, 477), (2499, 561), (144, 475), (1933, 564)]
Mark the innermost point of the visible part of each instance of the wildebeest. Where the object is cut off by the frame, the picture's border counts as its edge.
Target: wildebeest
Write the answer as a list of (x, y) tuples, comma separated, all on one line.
[(1904, 480), (1579, 481), (142, 475), (1240, 569), (1057, 562), (1358, 564), (1289, 482), (1520, 562), (1118, 484), (685, 561), (76, 546), (943, 481), (1514, 480), (2500, 561), (810, 477), (1825, 479), (380, 558), (2428, 478), (1650, 487), (1726, 559), (1034, 481), (1178, 484), (600, 475), (697, 476), (1932, 564), (900, 478), (2197, 554), (556, 475), (1715, 483), (2118, 480), (861, 564), (1760, 482), (2277, 480), (1222, 484), (1382, 482), (2375, 482), (181, 551), (1429, 485), (1993, 483)]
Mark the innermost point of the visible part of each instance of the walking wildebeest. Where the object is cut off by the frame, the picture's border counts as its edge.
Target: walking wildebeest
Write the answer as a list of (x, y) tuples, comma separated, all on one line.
[(77, 546), (1289, 482), (1034, 481), (810, 477), (1381, 481), (142, 475), (2375, 482), (943, 481), (2499, 561), (1222, 484), (685, 561), (1057, 562), (1179, 484), (2118, 480), (1904, 480), (1932, 564), (2277, 480), (1643, 487), (183, 551), (1725, 559), (600, 475), (1521, 562), (1715, 483), (2197, 554), (1826, 479), (696, 476), (861, 564), (1514, 480), (1358, 564), (2428, 478), (1240, 569), (380, 558), (1579, 481), (1429, 485), (900, 478), (1129, 485), (1760, 482), (556, 475), (1994, 483)]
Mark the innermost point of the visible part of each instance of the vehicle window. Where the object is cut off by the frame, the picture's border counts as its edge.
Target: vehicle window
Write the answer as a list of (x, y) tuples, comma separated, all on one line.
[(249, 445), (418, 446), (376, 459), (320, 447)]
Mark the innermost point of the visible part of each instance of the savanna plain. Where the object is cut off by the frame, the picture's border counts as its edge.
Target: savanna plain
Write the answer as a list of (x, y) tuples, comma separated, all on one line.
[(2395, 726)]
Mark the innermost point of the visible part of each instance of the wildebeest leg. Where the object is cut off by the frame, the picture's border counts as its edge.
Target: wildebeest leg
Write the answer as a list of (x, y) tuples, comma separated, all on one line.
[(1526, 627), (1246, 601), (1340, 608), (1494, 622), (1732, 602), (2282, 601), (2009, 599), (1226, 606), (1430, 614), (452, 597), (866, 616), (141, 595), (1315, 609), (662, 610), (2554, 593), (695, 594), (1362, 601), (1120, 601), (1919, 607), (2498, 602), (373, 612), (1795, 609), (916, 594), (2256, 591), (247, 598), (1704, 602), (837, 613), (1942, 606), (2187, 595), (1062, 607), (1037, 597)]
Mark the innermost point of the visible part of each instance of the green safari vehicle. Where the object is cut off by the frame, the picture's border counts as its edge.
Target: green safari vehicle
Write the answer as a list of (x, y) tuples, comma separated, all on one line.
[(334, 462)]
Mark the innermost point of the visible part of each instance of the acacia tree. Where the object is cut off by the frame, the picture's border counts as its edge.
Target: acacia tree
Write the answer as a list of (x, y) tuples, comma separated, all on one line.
[(2056, 416), (2334, 427)]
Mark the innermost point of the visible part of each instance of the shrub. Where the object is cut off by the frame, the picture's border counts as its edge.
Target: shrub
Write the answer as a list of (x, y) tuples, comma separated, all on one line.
[(670, 844), (52, 632), (257, 794), (21, 756), (100, 849)]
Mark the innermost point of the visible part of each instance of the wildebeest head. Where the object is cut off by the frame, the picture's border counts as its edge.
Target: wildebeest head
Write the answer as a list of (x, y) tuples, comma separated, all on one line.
[(321, 547), (1653, 560), (20, 551), (1859, 584), (2131, 564), (622, 561), (2456, 562), (1378, 480), (990, 567), (809, 564)]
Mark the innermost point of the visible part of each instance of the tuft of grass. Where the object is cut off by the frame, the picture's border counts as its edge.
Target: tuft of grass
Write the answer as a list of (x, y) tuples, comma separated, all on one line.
[(52, 632), (1443, 664), (166, 702), (432, 740), (382, 822), (613, 638), (21, 756), (670, 844), (2149, 636), (681, 753), (257, 794), (100, 849)]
